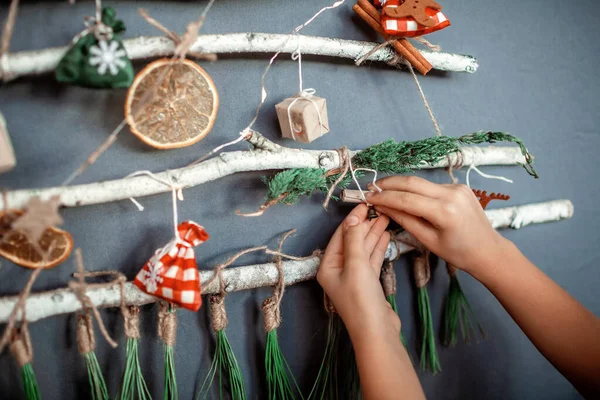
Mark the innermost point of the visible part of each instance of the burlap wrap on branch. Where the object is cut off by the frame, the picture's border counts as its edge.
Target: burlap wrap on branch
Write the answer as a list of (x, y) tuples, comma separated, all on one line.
[(86, 339), (217, 312), (167, 324), (271, 313), (131, 319), (388, 279), (422, 270)]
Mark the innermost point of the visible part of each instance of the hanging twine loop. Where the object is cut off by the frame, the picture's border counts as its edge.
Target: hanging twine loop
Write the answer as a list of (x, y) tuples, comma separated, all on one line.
[(167, 324), (388, 279), (344, 157), (86, 339), (217, 312), (422, 270), (20, 346)]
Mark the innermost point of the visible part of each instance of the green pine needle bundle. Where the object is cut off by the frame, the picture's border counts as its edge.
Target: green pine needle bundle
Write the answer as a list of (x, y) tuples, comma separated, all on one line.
[(392, 300), (20, 348), (429, 356), (133, 379), (280, 379), (458, 312), (224, 361), (388, 283), (326, 384), (167, 331), (86, 343), (389, 157)]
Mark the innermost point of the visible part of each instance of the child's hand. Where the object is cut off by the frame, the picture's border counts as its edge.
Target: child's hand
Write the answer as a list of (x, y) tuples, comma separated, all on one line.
[(350, 269), (447, 219)]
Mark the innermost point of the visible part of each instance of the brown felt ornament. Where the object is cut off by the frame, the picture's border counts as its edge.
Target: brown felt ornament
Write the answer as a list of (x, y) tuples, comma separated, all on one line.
[(415, 9), (39, 216)]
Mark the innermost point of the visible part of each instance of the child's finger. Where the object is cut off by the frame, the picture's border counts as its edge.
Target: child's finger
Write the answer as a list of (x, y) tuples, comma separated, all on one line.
[(415, 204), (418, 227), (412, 184), (378, 254), (379, 226), (354, 241)]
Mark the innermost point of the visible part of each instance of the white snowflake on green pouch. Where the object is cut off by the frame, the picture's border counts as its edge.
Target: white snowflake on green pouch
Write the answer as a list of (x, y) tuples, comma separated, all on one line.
[(107, 56)]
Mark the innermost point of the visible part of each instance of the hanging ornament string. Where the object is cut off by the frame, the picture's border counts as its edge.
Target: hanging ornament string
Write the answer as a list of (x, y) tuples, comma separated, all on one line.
[(176, 194), (7, 32), (472, 167), (183, 45), (94, 24), (303, 94)]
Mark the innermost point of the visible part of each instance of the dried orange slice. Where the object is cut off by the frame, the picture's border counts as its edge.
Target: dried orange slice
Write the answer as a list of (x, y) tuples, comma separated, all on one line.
[(15, 246), (182, 109)]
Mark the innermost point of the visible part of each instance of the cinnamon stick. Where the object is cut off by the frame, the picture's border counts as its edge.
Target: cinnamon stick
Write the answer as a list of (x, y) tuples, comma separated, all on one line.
[(370, 15)]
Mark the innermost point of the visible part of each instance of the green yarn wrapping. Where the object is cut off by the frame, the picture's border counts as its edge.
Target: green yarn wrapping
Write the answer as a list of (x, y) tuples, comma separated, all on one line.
[(170, 390), (429, 355), (458, 312), (389, 157), (97, 383), (224, 361), (278, 371), (133, 380), (30, 385), (326, 384)]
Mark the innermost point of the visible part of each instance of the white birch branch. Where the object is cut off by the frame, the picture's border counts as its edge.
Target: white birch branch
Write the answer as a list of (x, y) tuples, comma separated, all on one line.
[(63, 301), (14, 65), (266, 156)]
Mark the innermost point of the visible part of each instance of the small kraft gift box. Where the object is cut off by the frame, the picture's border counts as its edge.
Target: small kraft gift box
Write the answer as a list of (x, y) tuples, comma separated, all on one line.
[(303, 118)]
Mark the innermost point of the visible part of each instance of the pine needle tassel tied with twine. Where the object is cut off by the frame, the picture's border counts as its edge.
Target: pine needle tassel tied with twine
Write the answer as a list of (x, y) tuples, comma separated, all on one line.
[(280, 379), (20, 348), (429, 356), (326, 384), (133, 379), (458, 312), (86, 342), (167, 331), (224, 361), (388, 282)]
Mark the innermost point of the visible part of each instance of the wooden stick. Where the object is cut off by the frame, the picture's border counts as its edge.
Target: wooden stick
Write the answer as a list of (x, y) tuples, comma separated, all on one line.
[(63, 301), (370, 15), (351, 196)]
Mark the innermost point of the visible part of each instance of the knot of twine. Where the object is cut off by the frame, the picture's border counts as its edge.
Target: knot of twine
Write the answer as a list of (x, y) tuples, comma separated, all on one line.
[(184, 43), (20, 347), (131, 318), (422, 270), (272, 313), (217, 312), (388, 279), (79, 288), (452, 270), (94, 24), (344, 156), (305, 94), (167, 324), (86, 340)]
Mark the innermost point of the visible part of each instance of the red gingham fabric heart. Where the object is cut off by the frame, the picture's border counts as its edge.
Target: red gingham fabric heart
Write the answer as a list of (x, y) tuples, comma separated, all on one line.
[(172, 273), (408, 27)]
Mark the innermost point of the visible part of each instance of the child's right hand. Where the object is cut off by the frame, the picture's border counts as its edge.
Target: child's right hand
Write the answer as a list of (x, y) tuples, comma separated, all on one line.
[(447, 219)]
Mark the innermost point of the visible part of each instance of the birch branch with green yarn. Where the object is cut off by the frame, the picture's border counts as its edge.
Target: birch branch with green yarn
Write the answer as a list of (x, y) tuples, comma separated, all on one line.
[(264, 156), (36, 62)]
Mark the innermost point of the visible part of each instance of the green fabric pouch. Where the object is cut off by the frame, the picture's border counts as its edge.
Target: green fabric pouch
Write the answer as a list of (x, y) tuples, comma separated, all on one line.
[(94, 63)]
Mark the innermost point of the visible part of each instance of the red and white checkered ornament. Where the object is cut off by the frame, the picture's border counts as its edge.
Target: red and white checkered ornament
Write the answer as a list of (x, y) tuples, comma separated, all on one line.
[(407, 26), (172, 273)]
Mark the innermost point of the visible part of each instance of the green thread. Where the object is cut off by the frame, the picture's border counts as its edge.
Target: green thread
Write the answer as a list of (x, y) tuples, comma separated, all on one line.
[(224, 362), (30, 385), (170, 389), (278, 371), (389, 157), (429, 355), (133, 380), (326, 383), (96, 379), (459, 313)]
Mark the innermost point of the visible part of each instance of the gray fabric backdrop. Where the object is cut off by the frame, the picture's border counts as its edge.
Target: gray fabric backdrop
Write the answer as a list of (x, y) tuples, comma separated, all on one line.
[(538, 79)]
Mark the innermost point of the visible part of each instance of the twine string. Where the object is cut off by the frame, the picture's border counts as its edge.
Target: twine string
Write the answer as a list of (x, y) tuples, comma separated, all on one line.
[(472, 167)]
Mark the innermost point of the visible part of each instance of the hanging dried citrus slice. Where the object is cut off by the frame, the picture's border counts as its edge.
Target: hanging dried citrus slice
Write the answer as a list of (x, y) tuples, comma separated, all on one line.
[(180, 110), (15, 246)]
